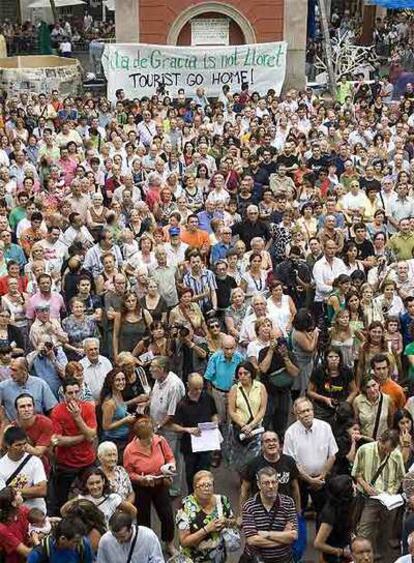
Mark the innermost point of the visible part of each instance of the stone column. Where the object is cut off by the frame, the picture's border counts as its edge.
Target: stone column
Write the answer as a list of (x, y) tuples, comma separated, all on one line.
[(294, 32), (127, 21)]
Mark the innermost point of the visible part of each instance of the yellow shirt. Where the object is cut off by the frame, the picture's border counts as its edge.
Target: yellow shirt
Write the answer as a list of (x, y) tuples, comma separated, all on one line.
[(254, 397)]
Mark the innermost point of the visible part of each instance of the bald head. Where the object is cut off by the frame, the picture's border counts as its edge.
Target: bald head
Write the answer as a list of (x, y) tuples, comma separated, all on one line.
[(228, 344)]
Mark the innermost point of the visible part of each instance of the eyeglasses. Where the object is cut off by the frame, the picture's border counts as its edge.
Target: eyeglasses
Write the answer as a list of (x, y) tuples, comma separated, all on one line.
[(214, 325), (207, 485)]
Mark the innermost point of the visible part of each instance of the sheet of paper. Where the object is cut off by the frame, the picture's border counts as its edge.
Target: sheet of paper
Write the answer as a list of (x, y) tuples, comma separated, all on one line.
[(390, 501), (209, 440)]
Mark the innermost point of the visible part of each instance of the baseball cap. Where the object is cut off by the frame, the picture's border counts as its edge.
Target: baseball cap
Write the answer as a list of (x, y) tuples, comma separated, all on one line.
[(174, 231)]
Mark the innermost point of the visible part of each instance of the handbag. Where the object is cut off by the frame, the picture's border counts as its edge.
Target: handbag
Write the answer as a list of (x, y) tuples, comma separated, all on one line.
[(231, 536), (280, 379)]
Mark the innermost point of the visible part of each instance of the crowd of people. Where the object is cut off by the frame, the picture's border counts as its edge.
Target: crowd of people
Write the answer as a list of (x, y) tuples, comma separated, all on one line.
[(188, 284)]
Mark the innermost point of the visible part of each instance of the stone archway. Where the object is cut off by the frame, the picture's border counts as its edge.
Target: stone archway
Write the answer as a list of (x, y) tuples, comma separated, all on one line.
[(206, 7)]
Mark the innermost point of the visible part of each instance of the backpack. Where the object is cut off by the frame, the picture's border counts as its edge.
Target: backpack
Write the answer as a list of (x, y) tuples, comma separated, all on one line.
[(45, 551)]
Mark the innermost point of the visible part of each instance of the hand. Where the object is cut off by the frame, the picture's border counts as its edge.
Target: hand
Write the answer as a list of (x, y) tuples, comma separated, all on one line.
[(55, 440), (329, 402), (283, 351), (74, 409), (214, 526), (148, 481), (317, 483), (130, 419), (370, 490), (34, 536), (194, 431)]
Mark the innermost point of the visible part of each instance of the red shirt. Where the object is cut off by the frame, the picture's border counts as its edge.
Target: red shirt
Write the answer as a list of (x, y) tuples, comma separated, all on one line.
[(4, 284), (14, 533), (79, 455), (40, 434)]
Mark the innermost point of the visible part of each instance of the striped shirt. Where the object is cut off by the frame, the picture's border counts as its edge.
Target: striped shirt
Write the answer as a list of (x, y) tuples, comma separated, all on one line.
[(255, 517), (367, 462), (199, 284)]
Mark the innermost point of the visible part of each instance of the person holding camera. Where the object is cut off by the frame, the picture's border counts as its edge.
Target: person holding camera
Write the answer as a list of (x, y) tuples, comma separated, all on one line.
[(189, 351), (48, 362), (278, 370)]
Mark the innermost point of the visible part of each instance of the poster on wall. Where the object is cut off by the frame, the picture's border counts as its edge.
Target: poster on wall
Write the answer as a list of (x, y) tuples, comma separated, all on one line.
[(140, 68)]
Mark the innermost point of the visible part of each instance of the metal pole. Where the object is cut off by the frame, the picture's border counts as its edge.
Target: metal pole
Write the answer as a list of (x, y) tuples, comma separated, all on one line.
[(54, 10), (327, 47)]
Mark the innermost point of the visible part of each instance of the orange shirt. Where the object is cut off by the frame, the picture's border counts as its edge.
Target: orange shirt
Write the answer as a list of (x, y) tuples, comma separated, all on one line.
[(197, 239), (396, 393), (137, 462)]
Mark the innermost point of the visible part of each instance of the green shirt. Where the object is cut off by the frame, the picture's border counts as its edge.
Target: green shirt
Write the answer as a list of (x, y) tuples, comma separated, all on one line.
[(409, 351), (402, 246)]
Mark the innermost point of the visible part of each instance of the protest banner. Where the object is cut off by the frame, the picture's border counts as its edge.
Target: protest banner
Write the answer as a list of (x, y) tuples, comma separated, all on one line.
[(139, 69)]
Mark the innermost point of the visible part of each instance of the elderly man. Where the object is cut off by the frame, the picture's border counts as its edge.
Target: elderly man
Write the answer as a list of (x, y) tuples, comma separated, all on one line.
[(166, 277), (303, 439), (247, 329), (196, 407), (251, 227), (22, 382), (95, 367), (167, 392), (220, 372)]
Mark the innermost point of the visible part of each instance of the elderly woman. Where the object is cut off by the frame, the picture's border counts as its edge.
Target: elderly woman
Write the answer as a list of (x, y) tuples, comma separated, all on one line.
[(150, 465), (281, 307), (247, 407), (78, 326), (117, 476), (257, 245), (201, 519)]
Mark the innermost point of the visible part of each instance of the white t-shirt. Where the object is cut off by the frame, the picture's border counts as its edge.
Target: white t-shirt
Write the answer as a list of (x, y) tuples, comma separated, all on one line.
[(31, 474), (107, 505)]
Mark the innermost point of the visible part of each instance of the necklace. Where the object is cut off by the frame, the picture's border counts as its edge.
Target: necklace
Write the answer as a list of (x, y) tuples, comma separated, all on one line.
[(258, 285)]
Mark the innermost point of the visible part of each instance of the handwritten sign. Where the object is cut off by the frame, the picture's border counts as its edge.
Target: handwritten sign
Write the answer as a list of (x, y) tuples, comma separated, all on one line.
[(139, 69)]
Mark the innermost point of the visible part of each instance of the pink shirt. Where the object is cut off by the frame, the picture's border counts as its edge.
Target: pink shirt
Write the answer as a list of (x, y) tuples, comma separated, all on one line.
[(55, 302)]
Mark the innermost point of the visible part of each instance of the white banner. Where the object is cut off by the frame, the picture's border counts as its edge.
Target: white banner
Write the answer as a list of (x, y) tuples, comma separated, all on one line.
[(139, 69)]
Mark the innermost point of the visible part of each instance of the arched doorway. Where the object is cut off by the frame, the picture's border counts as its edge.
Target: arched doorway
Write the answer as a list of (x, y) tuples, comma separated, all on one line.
[(236, 35), (241, 30)]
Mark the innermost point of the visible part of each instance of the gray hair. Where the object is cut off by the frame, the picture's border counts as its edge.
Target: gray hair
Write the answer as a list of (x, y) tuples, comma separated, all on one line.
[(105, 448), (91, 340)]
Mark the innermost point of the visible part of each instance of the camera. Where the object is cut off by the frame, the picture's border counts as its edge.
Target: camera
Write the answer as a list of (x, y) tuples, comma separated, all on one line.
[(183, 331), (281, 341), (49, 345)]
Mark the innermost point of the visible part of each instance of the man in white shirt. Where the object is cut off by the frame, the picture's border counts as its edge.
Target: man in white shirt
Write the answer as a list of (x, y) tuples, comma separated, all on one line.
[(167, 392), (22, 471), (325, 270), (95, 367), (312, 445), (410, 556)]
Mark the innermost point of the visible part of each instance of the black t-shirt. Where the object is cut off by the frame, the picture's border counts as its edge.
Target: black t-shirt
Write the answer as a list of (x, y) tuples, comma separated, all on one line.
[(189, 413), (365, 249), (286, 469), (366, 184), (287, 160), (340, 535), (224, 287), (315, 164)]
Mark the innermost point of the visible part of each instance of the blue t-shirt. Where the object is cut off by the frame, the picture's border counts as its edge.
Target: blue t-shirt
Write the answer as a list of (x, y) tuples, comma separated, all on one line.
[(63, 555)]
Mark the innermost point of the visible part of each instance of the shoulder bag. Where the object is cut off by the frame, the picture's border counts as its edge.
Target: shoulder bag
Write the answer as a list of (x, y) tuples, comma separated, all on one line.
[(231, 536), (378, 417), (131, 549), (18, 469)]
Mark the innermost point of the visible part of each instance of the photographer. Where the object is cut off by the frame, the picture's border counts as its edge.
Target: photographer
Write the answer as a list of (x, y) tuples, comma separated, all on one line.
[(277, 368), (188, 350), (48, 362), (296, 276)]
